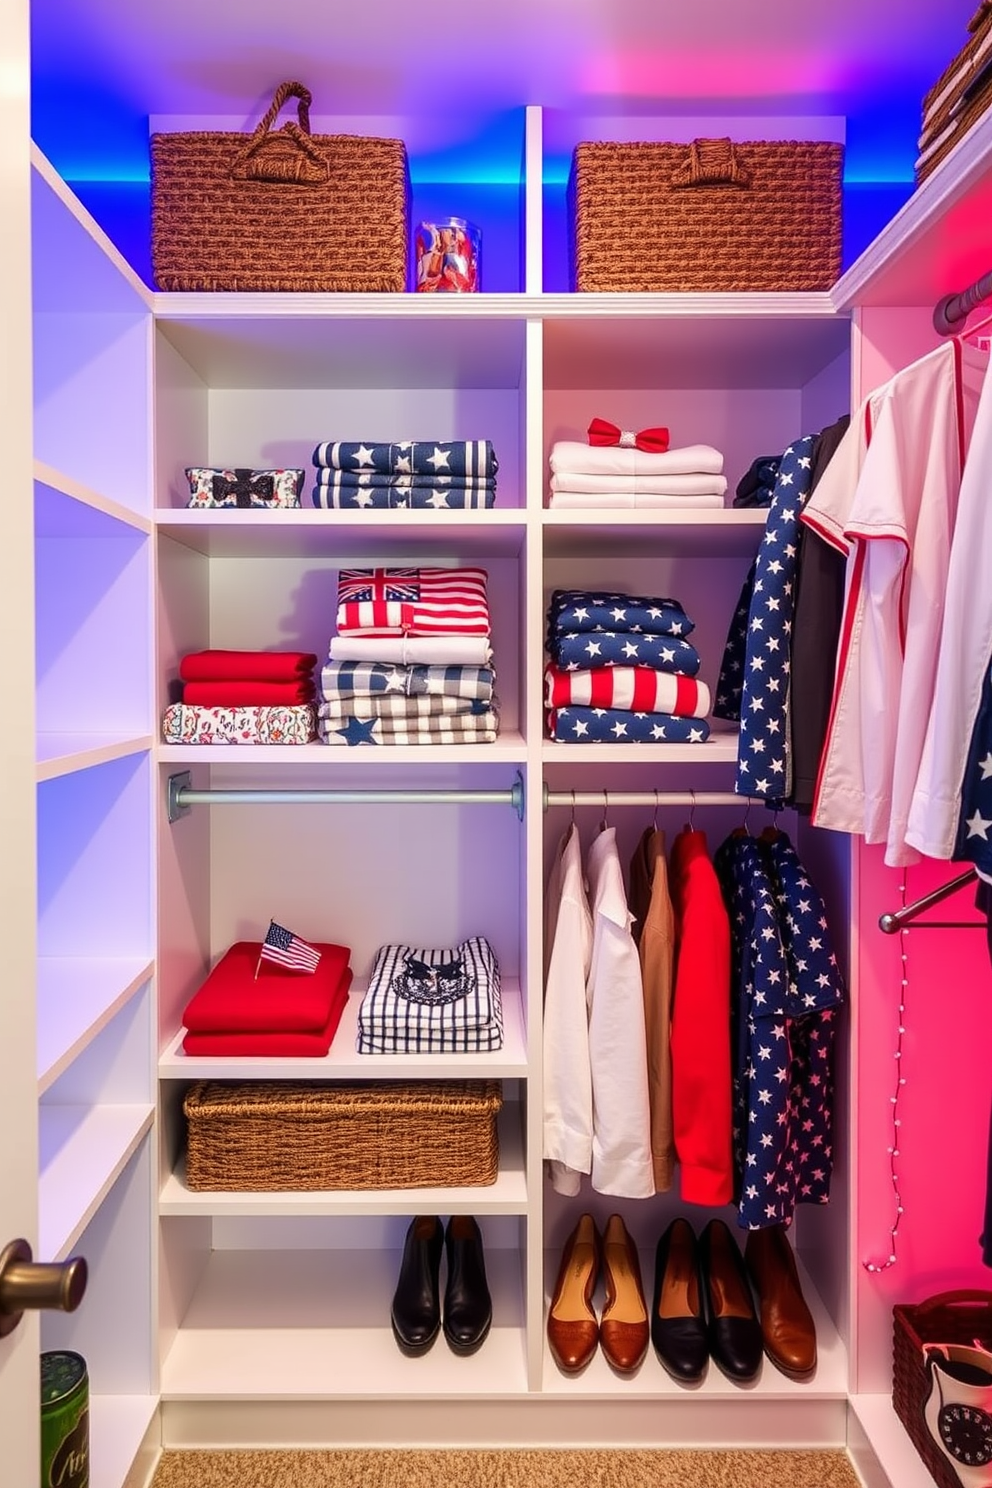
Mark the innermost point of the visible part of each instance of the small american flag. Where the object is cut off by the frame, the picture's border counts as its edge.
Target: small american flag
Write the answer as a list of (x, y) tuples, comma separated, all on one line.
[(287, 949)]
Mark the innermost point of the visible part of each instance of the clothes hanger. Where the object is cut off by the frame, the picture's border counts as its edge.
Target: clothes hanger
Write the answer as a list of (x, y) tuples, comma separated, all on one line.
[(690, 824), (654, 822), (604, 824), (772, 830)]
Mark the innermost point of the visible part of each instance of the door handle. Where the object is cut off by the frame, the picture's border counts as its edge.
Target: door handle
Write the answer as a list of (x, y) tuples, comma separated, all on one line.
[(37, 1284)]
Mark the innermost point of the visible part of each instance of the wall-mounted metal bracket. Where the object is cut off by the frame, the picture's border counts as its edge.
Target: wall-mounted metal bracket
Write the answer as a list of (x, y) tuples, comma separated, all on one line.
[(175, 785)]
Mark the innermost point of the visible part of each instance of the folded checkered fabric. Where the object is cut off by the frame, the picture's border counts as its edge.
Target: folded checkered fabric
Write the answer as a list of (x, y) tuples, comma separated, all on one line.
[(468, 457), (458, 728), (582, 609), (190, 723), (376, 602), (392, 705), (346, 679), (642, 689), (620, 726), (432, 1001), (603, 648), (412, 498)]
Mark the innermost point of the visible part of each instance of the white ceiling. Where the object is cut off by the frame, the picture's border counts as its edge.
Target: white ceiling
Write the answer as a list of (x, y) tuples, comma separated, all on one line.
[(102, 66)]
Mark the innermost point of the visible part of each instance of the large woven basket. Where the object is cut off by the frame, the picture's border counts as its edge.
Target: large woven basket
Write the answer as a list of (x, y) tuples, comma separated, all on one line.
[(291, 1135), (950, 1317), (707, 216), (279, 209), (959, 97)]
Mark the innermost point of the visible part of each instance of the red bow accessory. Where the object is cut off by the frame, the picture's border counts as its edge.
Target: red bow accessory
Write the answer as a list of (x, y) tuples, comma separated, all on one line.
[(651, 441)]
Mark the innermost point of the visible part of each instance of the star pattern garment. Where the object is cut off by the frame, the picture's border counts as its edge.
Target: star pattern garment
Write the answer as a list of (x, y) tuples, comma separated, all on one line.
[(396, 705), (432, 1001), (620, 726), (456, 728), (730, 683), (786, 987), (572, 610), (573, 650), (763, 754), (469, 457), (642, 689), (377, 602), (346, 679), (972, 842), (414, 498), (375, 479), (192, 724)]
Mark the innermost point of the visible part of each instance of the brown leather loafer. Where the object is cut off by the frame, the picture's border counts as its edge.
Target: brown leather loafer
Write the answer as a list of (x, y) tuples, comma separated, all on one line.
[(573, 1331), (624, 1331), (786, 1322)]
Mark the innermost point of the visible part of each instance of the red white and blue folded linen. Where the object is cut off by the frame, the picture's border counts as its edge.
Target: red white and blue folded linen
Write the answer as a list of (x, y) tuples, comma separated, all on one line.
[(233, 999), (348, 479), (247, 666), (585, 650), (620, 726), (569, 456), (344, 679), (600, 609), (191, 724), (423, 1000), (465, 457), (404, 650), (689, 484), (375, 602), (395, 705), (641, 689), (410, 498), (457, 728)]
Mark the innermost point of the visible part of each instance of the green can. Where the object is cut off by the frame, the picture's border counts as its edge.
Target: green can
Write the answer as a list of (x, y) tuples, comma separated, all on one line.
[(65, 1421)]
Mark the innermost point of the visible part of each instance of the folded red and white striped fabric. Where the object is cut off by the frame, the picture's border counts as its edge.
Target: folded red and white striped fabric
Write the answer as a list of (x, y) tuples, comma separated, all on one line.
[(641, 689), (412, 601)]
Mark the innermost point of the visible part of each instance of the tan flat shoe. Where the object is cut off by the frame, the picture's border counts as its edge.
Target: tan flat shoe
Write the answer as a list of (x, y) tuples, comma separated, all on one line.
[(625, 1330), (573, 1331)]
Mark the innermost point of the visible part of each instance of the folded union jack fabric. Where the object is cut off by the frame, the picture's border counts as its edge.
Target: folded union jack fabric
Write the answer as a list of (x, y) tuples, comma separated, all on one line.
[(642, 689), (414, 498), (432, 1001), (186, 723), (620, 726), (608, 648), (392, 705), (452, 728), (412, 602), (468, 457), (349, 679), (584, 609)]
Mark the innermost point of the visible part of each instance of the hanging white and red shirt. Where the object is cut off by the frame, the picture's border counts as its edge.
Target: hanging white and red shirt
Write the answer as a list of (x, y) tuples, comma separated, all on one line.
[(412, 601)]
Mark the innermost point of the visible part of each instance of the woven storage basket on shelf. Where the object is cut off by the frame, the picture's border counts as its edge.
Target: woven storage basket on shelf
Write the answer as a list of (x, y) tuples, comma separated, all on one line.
[(950, 1317), (705, 217), (290, 1135), (279, 209), (959, 97)]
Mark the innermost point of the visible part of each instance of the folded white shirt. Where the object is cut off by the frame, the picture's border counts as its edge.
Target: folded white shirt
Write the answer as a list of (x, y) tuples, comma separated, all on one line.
[(413, 650), (643, 501), (657, 485), (570, 455)]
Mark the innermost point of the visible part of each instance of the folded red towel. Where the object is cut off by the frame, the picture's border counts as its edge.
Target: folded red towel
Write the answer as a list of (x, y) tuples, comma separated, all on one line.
[(233, 1000), (249, 694), (297, 1043), (255, 666)]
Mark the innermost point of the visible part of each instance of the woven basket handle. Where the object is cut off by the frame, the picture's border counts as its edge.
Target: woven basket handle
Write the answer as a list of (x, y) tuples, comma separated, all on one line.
[(711, 162), (952, 1299), (283, 155)]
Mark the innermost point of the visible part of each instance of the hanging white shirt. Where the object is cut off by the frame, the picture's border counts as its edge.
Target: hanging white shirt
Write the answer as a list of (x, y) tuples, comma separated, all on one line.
[(621, 1143), (965, 650), (567, 1075)]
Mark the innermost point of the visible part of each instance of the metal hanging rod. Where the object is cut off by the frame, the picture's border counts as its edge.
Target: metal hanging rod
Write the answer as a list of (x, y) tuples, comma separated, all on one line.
[(954, 308), (181, 796), (608, 798), (891, 923)]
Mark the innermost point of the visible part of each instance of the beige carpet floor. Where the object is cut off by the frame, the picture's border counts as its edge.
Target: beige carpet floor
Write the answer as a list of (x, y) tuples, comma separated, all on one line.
[(521, 1468)]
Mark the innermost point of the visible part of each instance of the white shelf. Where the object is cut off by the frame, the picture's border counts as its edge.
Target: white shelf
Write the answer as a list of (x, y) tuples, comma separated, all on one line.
[(508, 748), (344, 1062), (311, 532), (66, 508), (118, 1424), (730, 533), (508, 1195), (314, 1324), (76, 999), (83, 1150), (65, 754), (717, 749), (70, 203), (889, 1442)]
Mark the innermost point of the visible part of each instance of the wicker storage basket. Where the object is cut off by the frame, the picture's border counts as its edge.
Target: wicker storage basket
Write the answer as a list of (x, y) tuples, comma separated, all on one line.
[(959, 97), (288, 1135), (279, 209), (707, 216), (949, 1317)]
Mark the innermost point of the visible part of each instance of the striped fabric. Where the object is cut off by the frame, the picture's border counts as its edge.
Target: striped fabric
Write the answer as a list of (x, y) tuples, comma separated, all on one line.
[(341, 480), (376, 602), (456, 728), (642, 689), (464, 457), (620, 726), (428, 1001), (349, 679), (414, 498)]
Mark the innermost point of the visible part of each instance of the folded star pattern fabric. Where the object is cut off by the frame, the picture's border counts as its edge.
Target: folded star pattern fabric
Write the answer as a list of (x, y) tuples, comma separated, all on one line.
[(439, 729), (190, 724), (578, 725), (576, 650), (350, 679), (432, 1001), (392, 705), (590, 609), (463, 457), (397, 498)]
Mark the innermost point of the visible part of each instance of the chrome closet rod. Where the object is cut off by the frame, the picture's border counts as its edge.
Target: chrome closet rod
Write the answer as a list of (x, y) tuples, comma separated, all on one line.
[(954, 308), (181, 796), (609, 798), (890, 923)]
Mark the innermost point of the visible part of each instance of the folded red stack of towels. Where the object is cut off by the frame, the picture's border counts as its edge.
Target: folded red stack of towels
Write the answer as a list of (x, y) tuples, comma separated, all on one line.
[(244, 697), (250, 1006)]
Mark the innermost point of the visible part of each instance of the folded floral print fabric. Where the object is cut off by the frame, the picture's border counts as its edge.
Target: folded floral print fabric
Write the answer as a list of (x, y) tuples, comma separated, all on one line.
[(190, 724)]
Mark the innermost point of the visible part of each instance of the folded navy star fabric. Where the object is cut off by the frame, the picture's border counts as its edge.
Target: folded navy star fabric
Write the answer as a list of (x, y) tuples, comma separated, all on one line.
[(469, 457)]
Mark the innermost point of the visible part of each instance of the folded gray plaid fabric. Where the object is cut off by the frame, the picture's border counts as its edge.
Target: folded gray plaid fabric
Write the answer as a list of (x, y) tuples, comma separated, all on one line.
[(360, 679), (467, 728), (396, 706)]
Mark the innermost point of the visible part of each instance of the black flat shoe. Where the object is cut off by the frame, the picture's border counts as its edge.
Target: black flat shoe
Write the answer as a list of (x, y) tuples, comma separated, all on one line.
[(468, 1308), (416, 1310), (678, 1323), (735, 1338)]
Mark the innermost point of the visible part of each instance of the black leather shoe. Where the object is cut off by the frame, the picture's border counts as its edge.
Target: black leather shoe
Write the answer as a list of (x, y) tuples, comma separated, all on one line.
[(678, 1322), (468, 1308), (416, 1309), (735, 1337)]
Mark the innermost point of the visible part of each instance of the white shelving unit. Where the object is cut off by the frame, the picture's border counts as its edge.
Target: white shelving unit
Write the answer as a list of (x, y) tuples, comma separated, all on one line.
[(264, 1317)]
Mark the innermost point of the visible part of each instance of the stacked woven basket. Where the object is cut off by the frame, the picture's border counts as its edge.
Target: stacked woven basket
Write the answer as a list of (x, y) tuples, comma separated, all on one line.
[(959, 97)]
